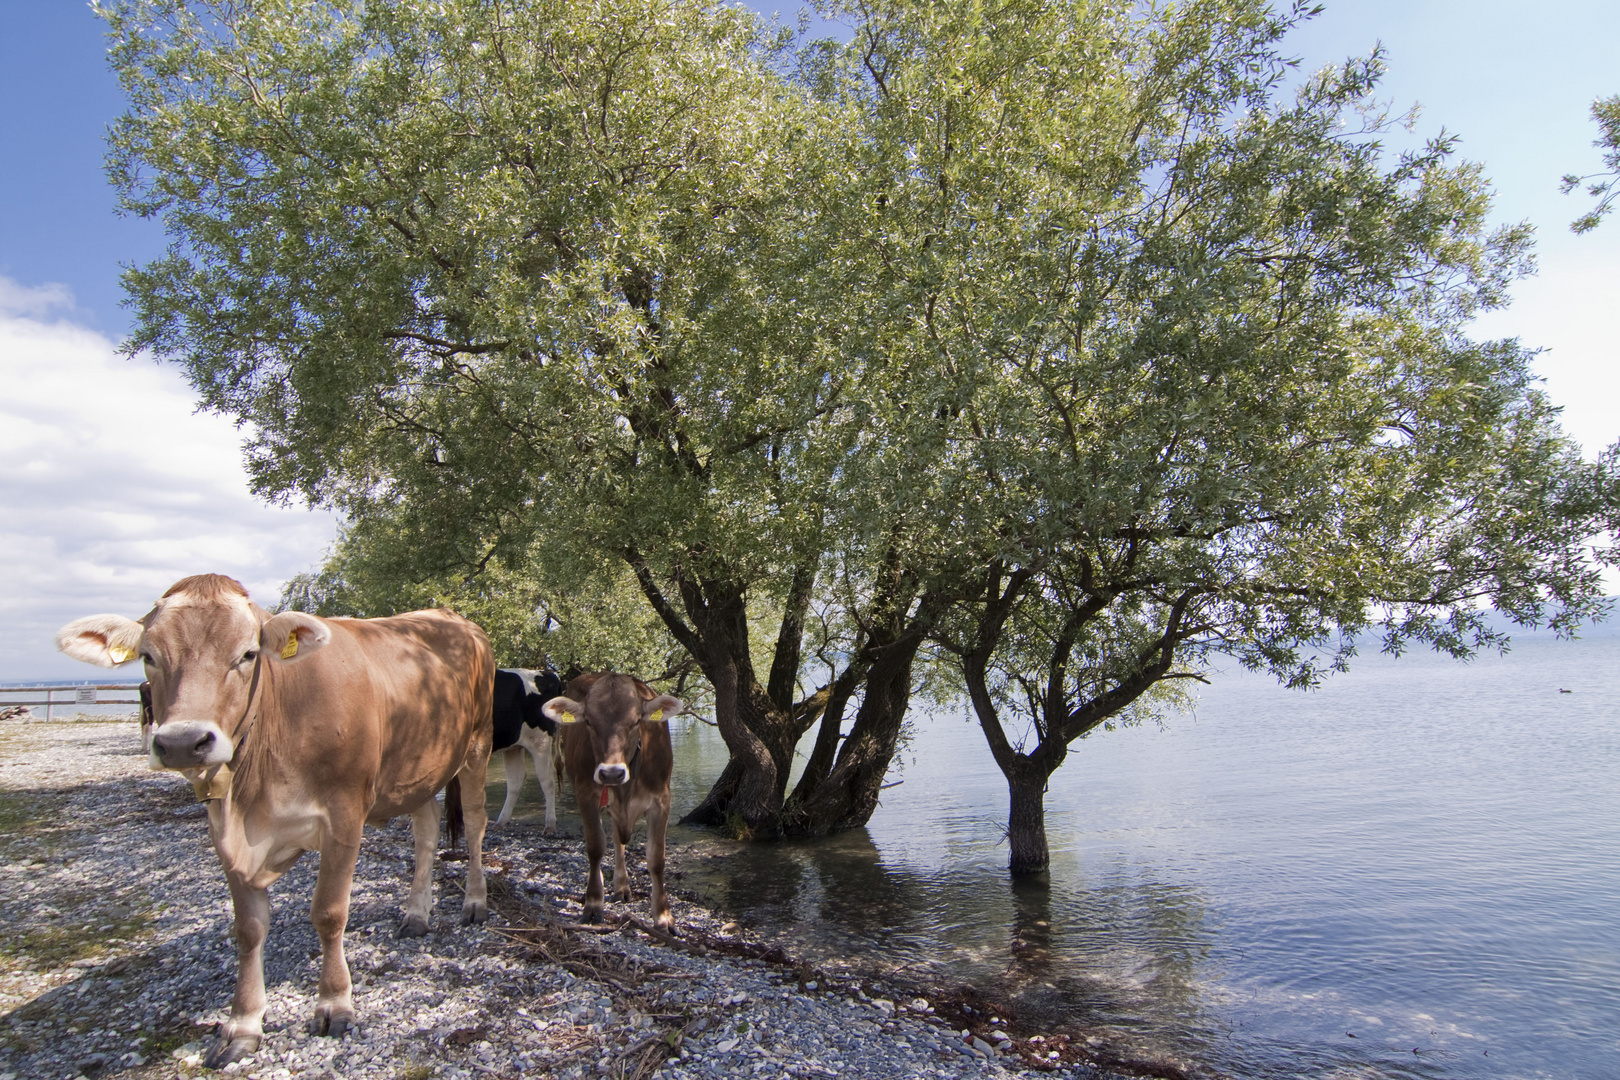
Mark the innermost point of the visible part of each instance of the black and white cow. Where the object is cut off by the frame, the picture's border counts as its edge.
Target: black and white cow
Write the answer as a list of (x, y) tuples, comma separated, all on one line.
[(520, 726)]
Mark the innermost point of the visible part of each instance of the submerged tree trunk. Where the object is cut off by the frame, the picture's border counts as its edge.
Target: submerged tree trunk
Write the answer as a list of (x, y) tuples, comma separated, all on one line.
[(747, 798), (761, 724), (1060, 714), (713, 807), (1026, 821), (846, 795)]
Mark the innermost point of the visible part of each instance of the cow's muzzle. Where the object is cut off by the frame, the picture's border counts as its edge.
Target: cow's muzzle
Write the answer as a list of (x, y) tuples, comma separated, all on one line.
[(612, 775), (189, 744)]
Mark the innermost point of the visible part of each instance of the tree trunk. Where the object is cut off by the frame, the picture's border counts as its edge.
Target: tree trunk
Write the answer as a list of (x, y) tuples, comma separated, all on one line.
[(762, 735), (825, 751), (847, 796), (790, 639), (747, 798), (1026, 773), (1026, 821)]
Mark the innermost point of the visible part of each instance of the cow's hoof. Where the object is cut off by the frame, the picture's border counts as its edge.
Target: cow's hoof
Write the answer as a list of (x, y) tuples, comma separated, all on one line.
[(666, 923), (329, 1021), (474, 913), (549, 830), (413, 926), (591, 916), (229, 1050)]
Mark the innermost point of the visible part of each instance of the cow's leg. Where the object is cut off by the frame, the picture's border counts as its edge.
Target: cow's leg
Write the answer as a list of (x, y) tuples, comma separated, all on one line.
[(657, 819), (548, 785), (515, 763), (334, 1005), (425, 832), (475, 909), (239, 1036), (590, 816), (624, 823)]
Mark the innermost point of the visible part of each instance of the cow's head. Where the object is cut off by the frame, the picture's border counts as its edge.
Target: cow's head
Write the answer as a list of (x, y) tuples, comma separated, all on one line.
[(202, 646), (539, 687), (611, 716)]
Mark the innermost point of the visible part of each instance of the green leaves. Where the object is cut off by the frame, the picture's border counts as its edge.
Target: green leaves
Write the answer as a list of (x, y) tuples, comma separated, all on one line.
[(1604, 186)]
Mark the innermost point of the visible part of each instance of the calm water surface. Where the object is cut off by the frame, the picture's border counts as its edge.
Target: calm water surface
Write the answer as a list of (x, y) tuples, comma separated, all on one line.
[(1413, 872)]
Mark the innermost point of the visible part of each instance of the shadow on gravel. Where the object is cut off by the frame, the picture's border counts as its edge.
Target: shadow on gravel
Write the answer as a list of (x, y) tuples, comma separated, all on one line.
[(88, 874)]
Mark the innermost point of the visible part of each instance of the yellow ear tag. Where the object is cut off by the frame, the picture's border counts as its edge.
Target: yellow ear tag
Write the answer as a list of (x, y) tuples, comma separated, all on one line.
[(657, 715), (290, 650), (119, 654), (566, 717)]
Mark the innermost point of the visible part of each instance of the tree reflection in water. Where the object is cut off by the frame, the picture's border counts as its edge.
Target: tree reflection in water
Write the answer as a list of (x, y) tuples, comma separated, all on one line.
[(834, 893), (1114, 956)]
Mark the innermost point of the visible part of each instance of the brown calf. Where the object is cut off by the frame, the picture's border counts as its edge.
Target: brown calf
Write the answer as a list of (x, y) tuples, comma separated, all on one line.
[(296, 732), (615, 745)]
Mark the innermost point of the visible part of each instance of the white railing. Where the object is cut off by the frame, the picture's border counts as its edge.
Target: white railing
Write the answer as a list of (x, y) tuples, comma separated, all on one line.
[(82, 695)]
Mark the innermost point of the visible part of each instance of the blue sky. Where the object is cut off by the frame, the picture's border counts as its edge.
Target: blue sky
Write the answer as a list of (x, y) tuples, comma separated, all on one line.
[(112, 487)]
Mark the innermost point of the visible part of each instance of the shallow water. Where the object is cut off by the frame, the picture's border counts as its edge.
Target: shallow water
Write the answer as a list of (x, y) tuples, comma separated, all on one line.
[(1413, 872)]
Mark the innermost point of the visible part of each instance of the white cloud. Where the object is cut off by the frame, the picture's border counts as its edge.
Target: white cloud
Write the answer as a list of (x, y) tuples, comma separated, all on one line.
[(113, 488), (33, 301)]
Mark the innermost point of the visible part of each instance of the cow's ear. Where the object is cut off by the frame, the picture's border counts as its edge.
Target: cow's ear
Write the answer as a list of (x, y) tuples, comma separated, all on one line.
[(563, 710), (293, 635), (103, 640), (661, 709)]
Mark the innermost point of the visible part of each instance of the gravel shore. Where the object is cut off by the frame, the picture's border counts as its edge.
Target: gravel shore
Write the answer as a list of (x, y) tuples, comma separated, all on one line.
[(118, 959)]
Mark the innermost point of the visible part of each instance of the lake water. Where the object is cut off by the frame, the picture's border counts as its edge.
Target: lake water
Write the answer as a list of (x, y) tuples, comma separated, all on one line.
[(1413, 872)]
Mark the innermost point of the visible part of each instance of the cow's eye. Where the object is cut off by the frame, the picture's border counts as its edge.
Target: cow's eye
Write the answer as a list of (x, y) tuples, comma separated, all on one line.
[(146, 658), (250, 656)]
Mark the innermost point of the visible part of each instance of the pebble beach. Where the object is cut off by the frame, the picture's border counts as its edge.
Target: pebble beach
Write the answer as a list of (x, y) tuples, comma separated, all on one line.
[(119, 959)]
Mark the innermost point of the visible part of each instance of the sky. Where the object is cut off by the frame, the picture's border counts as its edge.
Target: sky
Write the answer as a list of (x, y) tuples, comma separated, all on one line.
[(113, 486)]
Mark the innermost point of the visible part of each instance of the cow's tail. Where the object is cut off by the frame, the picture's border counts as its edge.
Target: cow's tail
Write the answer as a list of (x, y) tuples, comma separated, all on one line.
[(557, 761), (454, 827)]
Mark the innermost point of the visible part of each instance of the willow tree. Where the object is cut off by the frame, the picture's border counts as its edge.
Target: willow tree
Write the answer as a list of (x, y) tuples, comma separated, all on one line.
[(1201, 379), (483, 274)]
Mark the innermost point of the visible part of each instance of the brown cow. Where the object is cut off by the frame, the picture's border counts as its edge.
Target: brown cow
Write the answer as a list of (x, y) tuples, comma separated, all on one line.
[(615, 744), (296, 732)]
